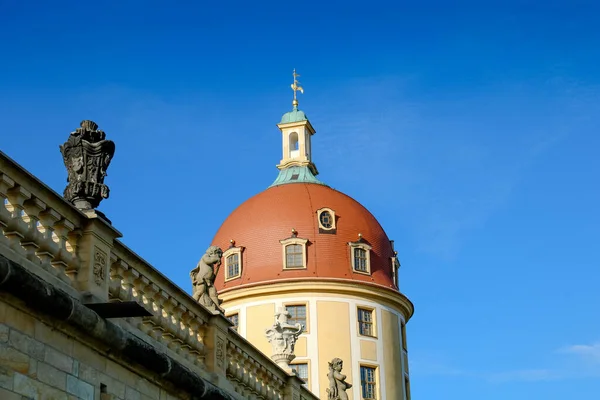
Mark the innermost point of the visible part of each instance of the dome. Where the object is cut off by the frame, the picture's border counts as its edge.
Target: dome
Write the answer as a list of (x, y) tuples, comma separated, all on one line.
[(293, 116), (261, 222)]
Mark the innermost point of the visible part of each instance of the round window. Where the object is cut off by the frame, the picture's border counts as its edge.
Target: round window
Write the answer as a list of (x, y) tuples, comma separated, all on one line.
[(326, 219)]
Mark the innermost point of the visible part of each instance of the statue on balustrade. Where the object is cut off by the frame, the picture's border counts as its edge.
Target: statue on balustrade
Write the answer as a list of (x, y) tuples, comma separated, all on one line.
[(337, 381), (203, 279), (282, 336), (86, 155)]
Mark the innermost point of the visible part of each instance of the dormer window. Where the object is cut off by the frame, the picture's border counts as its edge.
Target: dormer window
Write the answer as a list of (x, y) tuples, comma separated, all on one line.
[(360, 256), (294, 252), (326, 220), (233, 262)]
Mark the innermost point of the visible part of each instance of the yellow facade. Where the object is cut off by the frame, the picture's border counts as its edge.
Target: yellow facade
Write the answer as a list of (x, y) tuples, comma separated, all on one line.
[(333, 330)]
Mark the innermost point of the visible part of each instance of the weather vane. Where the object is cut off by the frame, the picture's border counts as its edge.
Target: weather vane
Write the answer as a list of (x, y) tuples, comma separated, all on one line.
[(296, 87)]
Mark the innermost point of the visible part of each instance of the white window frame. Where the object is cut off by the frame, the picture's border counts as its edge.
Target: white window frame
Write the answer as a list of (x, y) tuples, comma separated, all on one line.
[(367, 249), (289, 241), (322, 210), (229, 252)]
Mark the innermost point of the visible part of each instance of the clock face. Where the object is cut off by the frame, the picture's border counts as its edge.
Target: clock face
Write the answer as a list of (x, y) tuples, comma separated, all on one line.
[(326, 219)]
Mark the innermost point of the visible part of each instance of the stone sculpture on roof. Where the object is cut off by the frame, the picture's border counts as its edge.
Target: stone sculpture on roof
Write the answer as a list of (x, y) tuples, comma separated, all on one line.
[(86, 155), (337, 381), (282, 336), (203, 279)]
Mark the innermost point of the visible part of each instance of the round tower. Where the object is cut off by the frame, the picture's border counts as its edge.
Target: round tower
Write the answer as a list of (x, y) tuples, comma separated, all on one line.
[(305, 248)]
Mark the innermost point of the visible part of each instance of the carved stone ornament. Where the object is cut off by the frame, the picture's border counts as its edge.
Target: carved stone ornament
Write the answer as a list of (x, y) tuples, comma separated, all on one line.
[(86, 155), (337, 381), (203, 279), (99, 266), (220, 349), (282, 336)]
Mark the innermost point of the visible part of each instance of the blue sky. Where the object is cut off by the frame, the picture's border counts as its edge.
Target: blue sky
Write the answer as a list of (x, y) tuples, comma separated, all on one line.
[(470, 131)]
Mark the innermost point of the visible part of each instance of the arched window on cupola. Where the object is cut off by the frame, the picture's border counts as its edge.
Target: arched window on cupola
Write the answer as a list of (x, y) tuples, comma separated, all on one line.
[(294, 145)]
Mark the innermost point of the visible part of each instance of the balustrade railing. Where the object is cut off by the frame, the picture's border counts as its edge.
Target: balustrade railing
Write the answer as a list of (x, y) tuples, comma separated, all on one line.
[(177, 321)]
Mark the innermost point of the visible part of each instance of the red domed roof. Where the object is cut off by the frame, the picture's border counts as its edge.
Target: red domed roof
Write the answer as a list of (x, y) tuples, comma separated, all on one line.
[(261, 222)]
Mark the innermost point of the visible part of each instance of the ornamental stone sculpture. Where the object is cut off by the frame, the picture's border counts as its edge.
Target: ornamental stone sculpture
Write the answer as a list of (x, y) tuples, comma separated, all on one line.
[(337, 381), (282, 336), (86, 155), (203, 279)]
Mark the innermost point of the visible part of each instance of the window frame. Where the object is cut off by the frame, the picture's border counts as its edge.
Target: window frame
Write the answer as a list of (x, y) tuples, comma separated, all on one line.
[(296, 241), (297, 304), (403, 334), (322, 228), (406, 387), (372, 311), (303, 362), (234, 327), (375, 381), (229, 252), (367, 249)]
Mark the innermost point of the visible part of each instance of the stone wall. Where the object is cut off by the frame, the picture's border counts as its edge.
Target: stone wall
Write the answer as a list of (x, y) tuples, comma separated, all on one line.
[(39, 360)]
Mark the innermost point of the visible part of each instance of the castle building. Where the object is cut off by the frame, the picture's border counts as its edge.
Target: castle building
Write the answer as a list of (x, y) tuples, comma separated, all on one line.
[(305, 248)]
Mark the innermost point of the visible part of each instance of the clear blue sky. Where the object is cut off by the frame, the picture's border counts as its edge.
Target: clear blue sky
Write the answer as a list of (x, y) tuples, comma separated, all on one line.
[(471, 131)]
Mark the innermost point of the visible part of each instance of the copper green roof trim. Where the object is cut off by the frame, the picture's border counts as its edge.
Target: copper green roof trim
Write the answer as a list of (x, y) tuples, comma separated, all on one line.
[(293, 116), (296, 175)]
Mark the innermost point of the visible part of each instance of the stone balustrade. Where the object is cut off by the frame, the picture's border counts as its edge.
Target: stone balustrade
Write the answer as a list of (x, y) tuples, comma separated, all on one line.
[(79, 253), (246, 370), (37, 223), (177, 321)]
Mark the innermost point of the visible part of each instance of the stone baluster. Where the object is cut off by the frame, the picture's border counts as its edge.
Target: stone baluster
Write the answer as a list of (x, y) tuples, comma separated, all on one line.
[(129, 275), (147, 325), (69, 236), (48, 248), (63, 257), (196, 339), (160, 316), (168, 306), (117, 275), (5, 216), (142, 294), (30, 241), (17, 227)]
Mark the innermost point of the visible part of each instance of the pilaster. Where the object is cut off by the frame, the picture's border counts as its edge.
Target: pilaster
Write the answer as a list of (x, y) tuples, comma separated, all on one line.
[(94, 249)]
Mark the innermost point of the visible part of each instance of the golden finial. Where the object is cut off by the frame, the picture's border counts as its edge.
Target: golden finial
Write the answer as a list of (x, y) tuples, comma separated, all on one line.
[(296, 87)]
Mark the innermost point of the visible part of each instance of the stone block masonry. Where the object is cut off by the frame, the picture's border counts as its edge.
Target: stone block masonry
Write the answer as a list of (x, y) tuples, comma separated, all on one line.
[(46, 364)]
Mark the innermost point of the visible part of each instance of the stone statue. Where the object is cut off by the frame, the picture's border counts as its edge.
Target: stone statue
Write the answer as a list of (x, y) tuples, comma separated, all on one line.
[(337, 381), (282, 336), (86, 155), (203, 279)]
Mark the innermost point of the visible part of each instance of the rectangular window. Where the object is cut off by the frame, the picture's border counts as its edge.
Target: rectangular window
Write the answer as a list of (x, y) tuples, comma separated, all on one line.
[(403, 333), (365, 322), (294, 256), (298, 315), (360, 260), (406, 388), (301, 370), (367, 383), (233, 265), (234, 318)]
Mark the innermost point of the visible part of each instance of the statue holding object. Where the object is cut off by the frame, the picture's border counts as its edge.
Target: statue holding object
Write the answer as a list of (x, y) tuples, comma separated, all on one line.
[(203, 279), (337, 381)]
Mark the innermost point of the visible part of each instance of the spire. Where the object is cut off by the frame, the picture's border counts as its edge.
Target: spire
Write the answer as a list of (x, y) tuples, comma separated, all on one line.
[(296, 165), (296, 88)]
